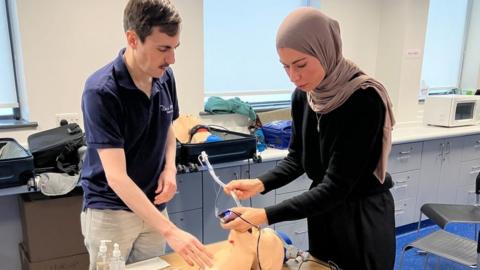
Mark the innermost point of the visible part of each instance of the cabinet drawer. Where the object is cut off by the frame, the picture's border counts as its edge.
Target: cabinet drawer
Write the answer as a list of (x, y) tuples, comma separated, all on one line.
[(297, 232), (471, 147), (466, 195), (468, 172), (189, 193), (405, 212), (405, 157), (282, 197), (285, 196), (190, 221), (405, 185), (301, 183)]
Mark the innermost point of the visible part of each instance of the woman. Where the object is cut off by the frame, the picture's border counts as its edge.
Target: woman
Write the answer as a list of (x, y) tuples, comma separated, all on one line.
[(341, 138)]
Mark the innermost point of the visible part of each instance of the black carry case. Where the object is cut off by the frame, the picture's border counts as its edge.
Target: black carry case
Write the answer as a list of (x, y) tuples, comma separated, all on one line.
[(233, 147), (55, 150), (16, 164)]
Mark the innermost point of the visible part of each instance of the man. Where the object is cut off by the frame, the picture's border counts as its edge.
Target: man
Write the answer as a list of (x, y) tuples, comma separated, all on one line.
[(129, 169)]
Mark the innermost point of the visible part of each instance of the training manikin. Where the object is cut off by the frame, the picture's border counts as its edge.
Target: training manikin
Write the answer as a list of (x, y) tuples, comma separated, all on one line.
[(240, 253)]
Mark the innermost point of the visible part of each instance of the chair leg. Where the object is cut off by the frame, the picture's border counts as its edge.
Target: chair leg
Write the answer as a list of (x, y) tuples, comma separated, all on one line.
[(419, 222), (400, 264), (426, 261)]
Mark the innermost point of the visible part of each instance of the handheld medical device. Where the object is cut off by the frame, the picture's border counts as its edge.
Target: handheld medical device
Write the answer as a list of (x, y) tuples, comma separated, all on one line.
[(227, 216)]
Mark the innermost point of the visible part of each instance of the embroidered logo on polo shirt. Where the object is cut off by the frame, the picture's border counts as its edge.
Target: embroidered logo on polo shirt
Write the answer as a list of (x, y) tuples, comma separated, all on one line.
[(167, 109)]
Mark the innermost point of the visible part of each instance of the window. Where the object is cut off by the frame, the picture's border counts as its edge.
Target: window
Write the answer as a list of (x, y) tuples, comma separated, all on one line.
[(240, 54), (8, 90), (442, 60)]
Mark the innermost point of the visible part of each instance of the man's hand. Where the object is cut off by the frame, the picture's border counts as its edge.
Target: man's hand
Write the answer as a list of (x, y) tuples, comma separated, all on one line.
[(187, 246), (246, 218), (167, 186), (245, 188)]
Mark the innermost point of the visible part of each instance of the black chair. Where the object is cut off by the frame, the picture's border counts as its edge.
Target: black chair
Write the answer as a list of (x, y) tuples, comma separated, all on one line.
[(445, 244)]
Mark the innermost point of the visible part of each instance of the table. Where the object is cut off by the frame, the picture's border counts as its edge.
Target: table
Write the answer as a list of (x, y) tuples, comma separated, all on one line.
[(177, 262)]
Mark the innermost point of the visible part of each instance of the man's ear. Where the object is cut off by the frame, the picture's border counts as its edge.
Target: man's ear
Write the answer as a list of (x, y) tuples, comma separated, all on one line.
[(132, 39)]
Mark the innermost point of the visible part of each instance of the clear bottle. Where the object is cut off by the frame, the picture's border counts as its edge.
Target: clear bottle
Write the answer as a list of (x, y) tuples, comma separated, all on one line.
[(117, 262), (102, 260)]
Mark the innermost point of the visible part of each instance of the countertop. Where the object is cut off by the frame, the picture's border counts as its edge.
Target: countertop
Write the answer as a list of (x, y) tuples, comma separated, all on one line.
[(400, 135)]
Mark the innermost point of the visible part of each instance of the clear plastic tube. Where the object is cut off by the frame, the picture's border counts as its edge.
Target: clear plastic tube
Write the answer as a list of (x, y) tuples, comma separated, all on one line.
[(203, 159)]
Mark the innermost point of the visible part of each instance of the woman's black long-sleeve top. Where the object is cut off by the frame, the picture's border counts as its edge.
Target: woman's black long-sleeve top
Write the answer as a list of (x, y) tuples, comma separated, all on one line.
[(338, 150)]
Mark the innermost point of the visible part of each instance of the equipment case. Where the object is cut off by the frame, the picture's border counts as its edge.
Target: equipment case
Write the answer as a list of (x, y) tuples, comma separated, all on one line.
[(16, 164), (234, 146)]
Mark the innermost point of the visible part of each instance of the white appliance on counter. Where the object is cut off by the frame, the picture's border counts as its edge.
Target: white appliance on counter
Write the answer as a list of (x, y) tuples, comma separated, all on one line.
[(451, 110)]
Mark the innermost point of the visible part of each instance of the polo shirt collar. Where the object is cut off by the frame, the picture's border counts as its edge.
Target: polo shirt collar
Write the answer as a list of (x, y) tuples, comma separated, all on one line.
[(124, 78)]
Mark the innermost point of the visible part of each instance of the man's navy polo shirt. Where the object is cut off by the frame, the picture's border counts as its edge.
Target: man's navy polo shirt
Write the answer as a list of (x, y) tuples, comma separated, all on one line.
[(119, 115)]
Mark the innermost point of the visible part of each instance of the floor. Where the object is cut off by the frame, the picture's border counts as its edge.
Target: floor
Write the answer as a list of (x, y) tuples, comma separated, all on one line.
[(416, 260)]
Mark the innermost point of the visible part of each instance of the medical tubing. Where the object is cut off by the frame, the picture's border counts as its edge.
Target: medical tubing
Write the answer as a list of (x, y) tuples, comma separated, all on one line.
[(204, 158)]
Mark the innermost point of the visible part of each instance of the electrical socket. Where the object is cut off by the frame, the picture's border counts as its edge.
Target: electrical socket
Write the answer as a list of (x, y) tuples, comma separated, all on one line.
[(70, 117)]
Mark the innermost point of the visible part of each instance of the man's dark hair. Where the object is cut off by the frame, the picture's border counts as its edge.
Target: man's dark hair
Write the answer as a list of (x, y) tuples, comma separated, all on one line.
[(142, 15)]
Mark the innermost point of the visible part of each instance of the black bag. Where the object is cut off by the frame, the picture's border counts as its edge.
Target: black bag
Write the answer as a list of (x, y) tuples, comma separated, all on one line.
[(234, 146), (16, 164), (56, 150)]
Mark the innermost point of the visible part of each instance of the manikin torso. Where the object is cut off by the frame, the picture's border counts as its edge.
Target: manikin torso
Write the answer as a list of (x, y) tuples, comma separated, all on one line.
[(241, 251)]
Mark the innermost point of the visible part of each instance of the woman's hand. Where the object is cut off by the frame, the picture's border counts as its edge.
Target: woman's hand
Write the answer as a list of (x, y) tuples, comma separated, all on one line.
[(245, 188), (246, 218)]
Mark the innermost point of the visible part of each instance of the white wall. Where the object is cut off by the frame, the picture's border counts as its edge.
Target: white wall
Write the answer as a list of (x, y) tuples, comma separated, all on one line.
[(402, 28), (63, 41), (471, 64), (360, 28)]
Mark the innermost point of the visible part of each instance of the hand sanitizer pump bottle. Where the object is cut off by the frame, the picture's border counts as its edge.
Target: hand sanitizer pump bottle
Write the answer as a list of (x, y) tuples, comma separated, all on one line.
[(117, 262), (102, 262)]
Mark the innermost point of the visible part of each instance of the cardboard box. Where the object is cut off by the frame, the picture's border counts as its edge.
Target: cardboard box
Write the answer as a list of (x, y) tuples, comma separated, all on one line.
[(51, 226), (73, 262)]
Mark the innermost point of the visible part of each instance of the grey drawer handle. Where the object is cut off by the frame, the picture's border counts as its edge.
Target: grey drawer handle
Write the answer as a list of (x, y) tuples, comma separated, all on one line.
[(399, 211), (405, 152), (471, 192), (406, 156), (300, 232), (399, 187), (405, 180)]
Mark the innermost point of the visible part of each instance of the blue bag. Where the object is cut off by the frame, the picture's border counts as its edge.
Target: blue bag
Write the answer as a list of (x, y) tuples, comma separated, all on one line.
[(278, 133)]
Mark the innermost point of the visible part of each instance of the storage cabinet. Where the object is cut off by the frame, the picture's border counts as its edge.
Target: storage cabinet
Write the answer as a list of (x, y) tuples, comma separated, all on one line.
[(252, 171), (469, 170), (404, 167), (189, 195), (190, 221), (185, 209), (296, 229), (440, 170), (465, 192), (404, 193)]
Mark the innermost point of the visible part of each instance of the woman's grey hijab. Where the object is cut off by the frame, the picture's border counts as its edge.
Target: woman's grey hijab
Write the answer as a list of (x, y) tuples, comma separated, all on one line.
[(309, 31)]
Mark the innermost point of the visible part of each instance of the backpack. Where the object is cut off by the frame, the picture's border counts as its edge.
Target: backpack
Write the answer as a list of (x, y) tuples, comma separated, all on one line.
[(56, 150)]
